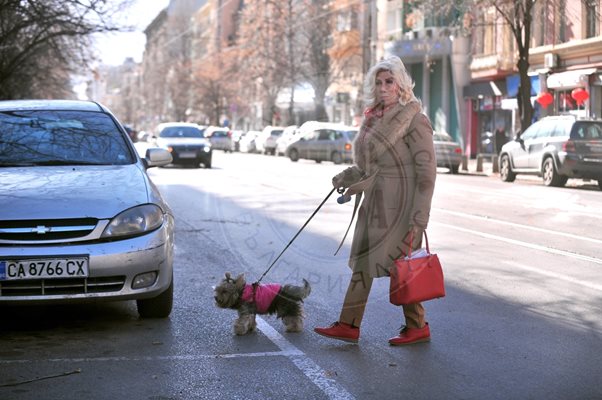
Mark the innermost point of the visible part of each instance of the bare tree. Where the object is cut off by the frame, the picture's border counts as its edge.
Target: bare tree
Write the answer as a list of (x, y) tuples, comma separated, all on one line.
[(331, 53), (215, 85), (263, 53), (43, 41), (518, 15)]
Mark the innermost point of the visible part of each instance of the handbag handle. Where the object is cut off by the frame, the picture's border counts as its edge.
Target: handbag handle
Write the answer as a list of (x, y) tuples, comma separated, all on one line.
[(428, 250)]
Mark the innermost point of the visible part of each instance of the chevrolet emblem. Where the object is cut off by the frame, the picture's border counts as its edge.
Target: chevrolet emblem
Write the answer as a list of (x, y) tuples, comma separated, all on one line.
[(40, 229)]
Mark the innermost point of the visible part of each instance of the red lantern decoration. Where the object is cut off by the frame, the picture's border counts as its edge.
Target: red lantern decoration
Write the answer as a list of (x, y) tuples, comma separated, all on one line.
[(580, 95), (545, 99)]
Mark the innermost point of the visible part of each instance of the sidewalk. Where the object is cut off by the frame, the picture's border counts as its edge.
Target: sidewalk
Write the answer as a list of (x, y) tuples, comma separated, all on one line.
[(485, 167)]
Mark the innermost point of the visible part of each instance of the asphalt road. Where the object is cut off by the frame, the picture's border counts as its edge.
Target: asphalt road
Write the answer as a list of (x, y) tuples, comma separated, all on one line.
[(521, 319)]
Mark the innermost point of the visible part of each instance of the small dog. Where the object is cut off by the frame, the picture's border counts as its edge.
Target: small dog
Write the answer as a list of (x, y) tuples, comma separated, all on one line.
[(286, 301)]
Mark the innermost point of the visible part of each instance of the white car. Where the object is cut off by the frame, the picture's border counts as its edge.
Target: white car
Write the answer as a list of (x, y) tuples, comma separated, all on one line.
[(247, 142), (287, 137), (266, 141)]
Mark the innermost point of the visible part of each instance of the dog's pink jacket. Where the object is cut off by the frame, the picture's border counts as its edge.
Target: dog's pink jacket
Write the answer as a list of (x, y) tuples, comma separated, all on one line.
[(264, 295)]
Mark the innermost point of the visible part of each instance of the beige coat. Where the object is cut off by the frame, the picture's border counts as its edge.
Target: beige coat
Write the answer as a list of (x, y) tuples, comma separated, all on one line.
[(395, 155)]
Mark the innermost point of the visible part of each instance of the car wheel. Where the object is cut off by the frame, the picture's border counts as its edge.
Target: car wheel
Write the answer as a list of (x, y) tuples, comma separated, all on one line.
[(550, 175), (453, 169), (157, 307), (208, 164), (294, 155), (506, 173), (600, 183), (336, 157)]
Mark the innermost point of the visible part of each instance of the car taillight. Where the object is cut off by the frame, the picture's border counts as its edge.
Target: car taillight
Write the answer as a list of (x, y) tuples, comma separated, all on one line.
[(458, 150), (568, 146), (229, 134), (347, 146)]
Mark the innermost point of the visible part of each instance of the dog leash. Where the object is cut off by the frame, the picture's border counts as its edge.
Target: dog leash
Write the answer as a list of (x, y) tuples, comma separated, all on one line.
[(295, 237)]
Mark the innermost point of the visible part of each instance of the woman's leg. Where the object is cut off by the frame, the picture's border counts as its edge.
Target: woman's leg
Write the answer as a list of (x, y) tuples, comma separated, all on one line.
[(356, 299), (414, 315)]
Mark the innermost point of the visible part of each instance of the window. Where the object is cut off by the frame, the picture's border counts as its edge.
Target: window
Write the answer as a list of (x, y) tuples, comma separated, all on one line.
[(531, 132), (587, 130), (326, 134), (592, 15)]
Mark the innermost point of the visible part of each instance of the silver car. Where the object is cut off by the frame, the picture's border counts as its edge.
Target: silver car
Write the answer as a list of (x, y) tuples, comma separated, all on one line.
[(323, 141), (80, 220), (448, 152)]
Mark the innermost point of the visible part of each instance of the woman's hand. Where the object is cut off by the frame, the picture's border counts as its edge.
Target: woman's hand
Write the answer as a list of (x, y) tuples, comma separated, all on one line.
[(416, 232), (348, 177)]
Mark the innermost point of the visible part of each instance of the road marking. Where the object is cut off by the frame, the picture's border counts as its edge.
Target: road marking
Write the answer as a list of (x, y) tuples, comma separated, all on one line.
[(523, 244), (188, 357), (533, 228), (555, 275), (305, 364)]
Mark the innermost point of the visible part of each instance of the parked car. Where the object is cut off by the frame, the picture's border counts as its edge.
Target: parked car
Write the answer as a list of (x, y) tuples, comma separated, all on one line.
[(186, 143), (220, 138), (81, 220), (555, 148), (266, 141), (288, 136), (247, 142), (323, 141), (448, 152)]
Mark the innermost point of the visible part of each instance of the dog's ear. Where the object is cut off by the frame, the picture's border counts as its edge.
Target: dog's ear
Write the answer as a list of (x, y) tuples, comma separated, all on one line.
[(239, 282), (228, 276)]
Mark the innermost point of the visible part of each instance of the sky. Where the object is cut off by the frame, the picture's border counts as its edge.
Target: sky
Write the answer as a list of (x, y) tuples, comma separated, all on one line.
[(114, 48)]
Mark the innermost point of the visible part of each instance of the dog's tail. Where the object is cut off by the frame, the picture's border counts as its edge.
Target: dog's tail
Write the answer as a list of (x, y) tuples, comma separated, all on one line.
[(298, 292)]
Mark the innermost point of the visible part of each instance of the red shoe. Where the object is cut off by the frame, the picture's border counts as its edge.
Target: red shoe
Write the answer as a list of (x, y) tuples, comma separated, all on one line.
[(411, 336), (340, 331)]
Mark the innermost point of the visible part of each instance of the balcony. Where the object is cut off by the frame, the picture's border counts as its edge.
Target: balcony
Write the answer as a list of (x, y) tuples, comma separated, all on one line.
[(491, 65)]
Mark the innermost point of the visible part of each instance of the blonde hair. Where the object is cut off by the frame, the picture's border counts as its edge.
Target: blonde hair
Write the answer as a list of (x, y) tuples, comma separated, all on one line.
[(395, 66)]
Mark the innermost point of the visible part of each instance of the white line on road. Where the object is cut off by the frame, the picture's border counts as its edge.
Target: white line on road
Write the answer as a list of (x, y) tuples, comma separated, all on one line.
[(555, 275), (521, 226), (523, 244), (187, 357), (305, 364)]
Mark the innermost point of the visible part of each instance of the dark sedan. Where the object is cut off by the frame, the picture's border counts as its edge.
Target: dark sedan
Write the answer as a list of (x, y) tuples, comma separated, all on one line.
[(186, 142)]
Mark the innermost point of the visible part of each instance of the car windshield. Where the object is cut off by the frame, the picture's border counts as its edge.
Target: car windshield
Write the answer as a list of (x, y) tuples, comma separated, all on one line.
[(42, 137), (181, 132), (276, 133)]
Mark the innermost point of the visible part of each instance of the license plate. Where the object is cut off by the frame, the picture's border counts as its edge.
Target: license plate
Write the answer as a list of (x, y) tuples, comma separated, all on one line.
[(47, 268), (187, 154)]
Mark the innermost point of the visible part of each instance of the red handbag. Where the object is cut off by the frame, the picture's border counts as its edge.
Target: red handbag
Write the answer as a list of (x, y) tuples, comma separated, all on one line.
[(417, 279)]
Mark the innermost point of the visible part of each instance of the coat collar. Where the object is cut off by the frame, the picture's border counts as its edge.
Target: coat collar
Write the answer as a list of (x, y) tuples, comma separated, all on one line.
[(380, 132)]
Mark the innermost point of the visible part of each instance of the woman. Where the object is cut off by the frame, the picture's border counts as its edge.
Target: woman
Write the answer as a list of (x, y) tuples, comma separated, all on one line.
[(395, 171)]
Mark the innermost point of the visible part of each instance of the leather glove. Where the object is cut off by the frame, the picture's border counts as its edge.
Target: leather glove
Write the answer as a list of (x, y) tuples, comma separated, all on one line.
[(348, 177)]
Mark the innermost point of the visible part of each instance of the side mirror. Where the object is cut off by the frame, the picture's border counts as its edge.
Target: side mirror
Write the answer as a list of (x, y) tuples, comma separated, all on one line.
[(157, 157)]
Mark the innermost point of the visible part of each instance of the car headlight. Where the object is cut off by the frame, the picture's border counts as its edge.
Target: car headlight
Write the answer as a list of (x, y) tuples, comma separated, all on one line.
[(135, 221)]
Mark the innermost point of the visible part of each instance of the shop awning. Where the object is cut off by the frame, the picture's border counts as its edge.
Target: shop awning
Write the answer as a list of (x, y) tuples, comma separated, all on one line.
[(485, 89), (569, 79)]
